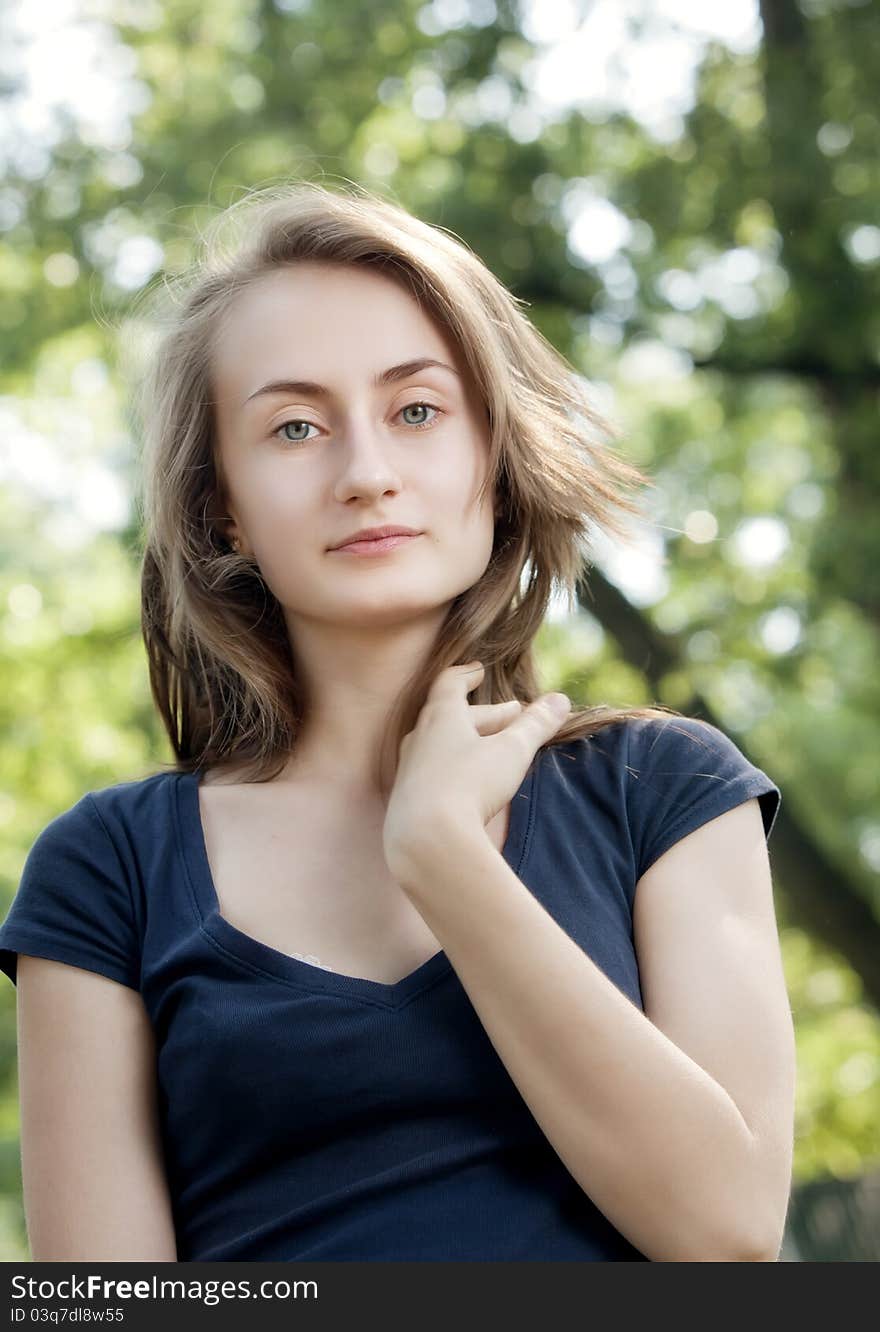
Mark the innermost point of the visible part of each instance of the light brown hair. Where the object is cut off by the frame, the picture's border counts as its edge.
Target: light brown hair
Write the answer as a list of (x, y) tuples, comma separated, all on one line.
[(221, 670)]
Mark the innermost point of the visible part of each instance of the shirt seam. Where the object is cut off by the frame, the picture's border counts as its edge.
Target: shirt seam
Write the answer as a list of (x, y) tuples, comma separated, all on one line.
[(182, 858), (44, 936), (246, 965), (627, 809)]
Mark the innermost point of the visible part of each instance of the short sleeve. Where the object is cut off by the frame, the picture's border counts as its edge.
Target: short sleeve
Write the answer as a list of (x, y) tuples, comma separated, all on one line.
[(73, 902), (682, 772)]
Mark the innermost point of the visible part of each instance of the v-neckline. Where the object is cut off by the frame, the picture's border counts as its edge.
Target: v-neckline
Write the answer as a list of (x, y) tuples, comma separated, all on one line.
[(291, 970)]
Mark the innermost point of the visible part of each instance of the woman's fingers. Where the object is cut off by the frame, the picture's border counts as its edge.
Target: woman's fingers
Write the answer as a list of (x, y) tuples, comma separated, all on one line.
[(492, 717)]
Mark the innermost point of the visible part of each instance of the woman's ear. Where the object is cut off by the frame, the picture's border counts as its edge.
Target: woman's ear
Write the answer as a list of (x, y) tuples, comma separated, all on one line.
[(232, 539), (225, 530), (221, 521)]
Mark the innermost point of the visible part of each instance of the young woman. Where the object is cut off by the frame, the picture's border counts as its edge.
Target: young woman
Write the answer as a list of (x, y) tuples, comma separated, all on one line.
[(398, 959)]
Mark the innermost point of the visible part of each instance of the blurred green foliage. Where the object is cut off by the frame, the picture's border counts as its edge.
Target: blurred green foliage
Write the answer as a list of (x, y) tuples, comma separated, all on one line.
[(732, 330)]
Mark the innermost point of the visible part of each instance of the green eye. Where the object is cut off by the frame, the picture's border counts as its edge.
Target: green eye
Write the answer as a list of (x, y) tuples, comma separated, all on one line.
[(293, 421), (416, 425), (423, 425)]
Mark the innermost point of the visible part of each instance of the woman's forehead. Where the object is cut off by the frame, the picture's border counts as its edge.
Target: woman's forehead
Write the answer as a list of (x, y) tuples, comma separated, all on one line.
[(311, 326)]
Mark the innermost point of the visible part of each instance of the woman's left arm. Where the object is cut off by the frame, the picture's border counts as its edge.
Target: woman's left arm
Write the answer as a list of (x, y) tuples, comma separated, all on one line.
[(677, 1121)]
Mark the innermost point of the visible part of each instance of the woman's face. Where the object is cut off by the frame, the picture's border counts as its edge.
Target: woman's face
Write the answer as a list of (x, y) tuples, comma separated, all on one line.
[(306, 466)]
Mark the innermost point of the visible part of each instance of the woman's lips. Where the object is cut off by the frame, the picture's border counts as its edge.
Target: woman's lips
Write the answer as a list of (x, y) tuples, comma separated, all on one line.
[(377, 546)]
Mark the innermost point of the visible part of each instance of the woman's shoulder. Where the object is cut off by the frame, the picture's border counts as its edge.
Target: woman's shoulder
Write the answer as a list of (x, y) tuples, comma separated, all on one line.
[(81, 895), (134, 797), (660, 776), (632, 741)]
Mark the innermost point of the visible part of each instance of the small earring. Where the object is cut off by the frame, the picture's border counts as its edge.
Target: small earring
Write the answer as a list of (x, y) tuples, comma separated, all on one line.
[(236, 544)]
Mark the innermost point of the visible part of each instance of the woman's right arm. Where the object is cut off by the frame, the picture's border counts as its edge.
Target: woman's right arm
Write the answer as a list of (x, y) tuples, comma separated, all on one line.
[(93, 1172)]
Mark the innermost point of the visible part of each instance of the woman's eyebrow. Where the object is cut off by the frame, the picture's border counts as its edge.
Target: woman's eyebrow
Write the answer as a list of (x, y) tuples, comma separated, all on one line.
[(390, 376)]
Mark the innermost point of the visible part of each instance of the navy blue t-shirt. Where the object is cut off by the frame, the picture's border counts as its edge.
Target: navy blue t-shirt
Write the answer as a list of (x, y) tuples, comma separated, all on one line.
[(308, 1114)]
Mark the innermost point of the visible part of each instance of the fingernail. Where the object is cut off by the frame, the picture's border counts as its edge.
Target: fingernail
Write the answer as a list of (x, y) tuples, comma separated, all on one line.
[(561, 702)]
